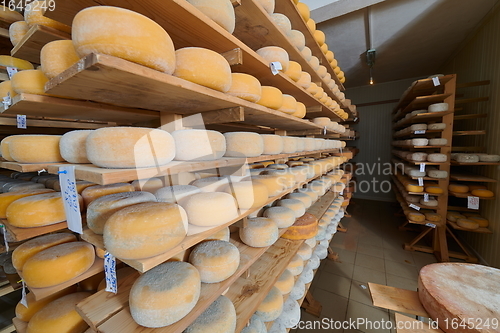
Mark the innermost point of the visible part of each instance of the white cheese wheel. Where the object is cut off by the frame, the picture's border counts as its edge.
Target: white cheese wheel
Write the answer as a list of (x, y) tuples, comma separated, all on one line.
[(285, 282), (243, 144), (268, 5), (211, 209), (272, 306), (438, 107), (306, 53), (305, 80), (306, 199), (211, 184), (296, 205), (298, 40), (314, 62), (57, 56), (150, 185), (275, 54), (273, 144), (418, 127), (282, 21), (72, 146), (35, 148), (436, 126), (198, 145), (304, 252), (298, 291), (420, 142), (271, 97), (431, 202), (101, 209), (489, 158), (165, 294), (322, 121), (310, 144), (438, 142), (255, 325), (289, 144), (282, 216), (248, 194), (274, 184), (17, 31), (296, 265), (437, 158), (130, 147), (220, 11), (467, 158), (215, 260), (259, 232), (219, 317), (418, 157), (310, 192), (246, 87), (434, 173), (101, 29), (415, 173)]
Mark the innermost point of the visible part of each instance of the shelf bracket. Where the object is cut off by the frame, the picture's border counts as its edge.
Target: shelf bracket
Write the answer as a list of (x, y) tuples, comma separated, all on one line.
[(234, 57)]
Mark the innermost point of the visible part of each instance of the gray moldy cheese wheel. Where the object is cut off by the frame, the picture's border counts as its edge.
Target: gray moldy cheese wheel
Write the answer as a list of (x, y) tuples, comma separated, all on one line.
[(456, 292)]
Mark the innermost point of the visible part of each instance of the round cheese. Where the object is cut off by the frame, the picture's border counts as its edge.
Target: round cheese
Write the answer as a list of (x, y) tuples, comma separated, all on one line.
[(430, 203), (420, 142), (57, 56), (93, 192), (289, 104), (243, 144), (306, 53), (282, 21), (437, 158), (9, 61), (165, 294), (294, 71), (311, 24), (305, 80), (215, 260), (457, 188), (296, 205), (219, 317), (248, 194), (298, 291), (33, 306), (489, 158), (124, 34), (434, 189), (211, 184), (414, 188), (72, 146), (481, 221), (285, 282), (58, 264), (289, 144), (304, 11), (310, 192), (273, 183), (282, 216), (438, 142), (306, 199), (322, 121), (17, 31), (319, 36), (35, 148), (324, 47), (272, 306), (178, 194), (304, 252), (211, 209), (246, 87), (259, 232), (273, 144), (220, 11), (416, 217), (101, 209), (329, 56), (434, 173), (482, 193), (6, 89), (271, 98), (144, 230), (34, 14), (301, 112), (198, 145), (467, 224), (150, 185), (438, 107), (436, 126), (7, 198), (130, 147), (433, 217), (296, 265), (268, 5), (297, 39), (305, 227), (454, 216), (275, 54), (59, 316), (314, 62)]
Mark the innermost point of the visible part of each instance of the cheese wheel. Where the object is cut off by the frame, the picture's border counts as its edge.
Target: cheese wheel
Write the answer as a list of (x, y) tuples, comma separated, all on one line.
[(311, 24), (130, 147), (21, 64), (7, 198), (72, 146), (58, 264), (267, 5), (433, 217), (272, 305), (289, 104), (243, 144), (436, 126), (9, 16), (305, 81), (296, 265), (420, 142), (457, 188), (482, 193), (314, 62), (294, 71), (211, 209), (26, 313), (215, 260), (5, 147), (416, 217), (329, 56), (17, 31), (467, 158), (57, 56), (430, 203), (438, 107), (434, 189), (35, 148), (289, 144), (165, 294), (275, 54), (310, 192), (34, 14), (219, 317), (305, 227), (322, 121), (150, 185), (282, 21), (178, 194), (259, 232), (296, 205), (6, 89), (489, 158), (304, 252), (285, 282), (29, 82), (481, 221), (438, 142), (246, 87), (467, 224), (273, 144), (198, 145), (59, 316), (304, 11), (211, 184), (220, 11), (101, 209), (285, 177), (282, 216), (271, 98), (93, 192), (248, 194), (101, 29), (273, 183), (319, 36), (454, 216), (300, 113), (306, 199), (441, 174), (437, 158), (37, 210), (306, 53), (298, 40)]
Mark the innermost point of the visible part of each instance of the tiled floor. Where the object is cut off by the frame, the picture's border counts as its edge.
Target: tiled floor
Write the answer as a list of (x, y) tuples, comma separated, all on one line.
[(370, 251)]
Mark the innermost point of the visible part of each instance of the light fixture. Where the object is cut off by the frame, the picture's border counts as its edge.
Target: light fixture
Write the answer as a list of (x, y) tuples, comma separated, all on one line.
[(370, 61)]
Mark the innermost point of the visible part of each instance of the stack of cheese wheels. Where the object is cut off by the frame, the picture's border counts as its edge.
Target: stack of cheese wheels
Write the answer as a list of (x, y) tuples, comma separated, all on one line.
[(165, 294), (259, 232), (220, 11), (211, 209), (198, 145), (243, 144), (305, 227), (215, 260), (219, 317)]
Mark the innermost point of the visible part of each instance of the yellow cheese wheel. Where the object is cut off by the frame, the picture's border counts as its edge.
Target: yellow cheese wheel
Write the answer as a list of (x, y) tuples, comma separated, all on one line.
[(319, 36), (329, 56), (215, 260), (275, 54), (145, 230), (304, 227), (91, 193), (298, 40), (271, 97), (467, 224), (416, 217), (483, 223), (482, 193), (259, 232), (324, 48), (37, 210), (458, 188), (211, 209), (311, 24), (10, 16), (219, 317), (248, 194), (26, 313), (27, 250), (246, 87), (130, 147), (433, 217), (6, 88), (304, 80), (32, 148), (30, 81), (414, 188), (301, 110), (165, 294), (289, 104), (58, 264), (204, 67), (285, 282), (336, 69), (433, 189), (9, 197), (9, 61), (33, 14), (17, 31), (342, 80), (57, 56), (294, 71), (272, 182), (313, 88), (272, 306), (304, 11), (221, 11), (125, 34)]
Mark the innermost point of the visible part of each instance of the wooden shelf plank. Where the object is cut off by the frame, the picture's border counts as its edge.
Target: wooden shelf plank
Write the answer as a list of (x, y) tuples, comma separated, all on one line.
[(462, 133), (476, 163), (469, 177), (422, 87), (418, 163), (466, 195), (419, 147), (471, 100), (422, 102), (15, 234), (412, 135), (397, 299), (422, 117), (10, 121), (470, 116), (480, 230), (37, 36), (26, 167)]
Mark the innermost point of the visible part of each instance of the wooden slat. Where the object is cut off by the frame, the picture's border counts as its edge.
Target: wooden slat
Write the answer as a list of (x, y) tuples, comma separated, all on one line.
[(463, 133), (397, 299), (411, 325), (480, 230), (468, 149), (469, 177), (16, 234), (471, 100), (476, 163), (25, 167), (470, 116), (4, 121), (6, 290), (9, 329), (37, 36), (422, 87), (20, 325), (473, 84)]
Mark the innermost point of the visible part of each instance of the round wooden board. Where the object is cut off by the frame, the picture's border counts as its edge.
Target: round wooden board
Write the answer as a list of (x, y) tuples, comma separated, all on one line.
[(463, 298)]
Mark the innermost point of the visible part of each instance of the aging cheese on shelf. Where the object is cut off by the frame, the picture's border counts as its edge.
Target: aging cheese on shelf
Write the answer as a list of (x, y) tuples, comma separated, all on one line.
[(329, 56), (311, 24), (275, 54), (289, 104), (467, 224), (314, 62), (294, 71), (272, 306), (454, 216), (416, 217), (34, 14), (246, 87), (204, 67), (282, 216), (481, 221), (59, 316), (248, 194), (289, 144), (150, 185), (243, 144), (433, 217), (21, 64), (178, 194), (145, 230), (296, 265), (285, 282), (31, 81), (58, 264), (434, 189), (482, 193), (273, 183), (306, 200), (298, 40), (300, 113), (282, 21), (72, 146), (259, 232), (57, 56), (305, 227), (6, 89), (457, 188), (305, 80), (211, 184), (215, 260), (211, 209), (9, 197), (33, 148), (9, 15), (198, 145), (306, 53), (271, 97), (26, 313), (17, 31), (130, 147), (165, 294), (304, 11), (220, 11), (124, 34), (304, 252), (319, 36), (91, 193), (273, 144), (296, 205), (219, 317)]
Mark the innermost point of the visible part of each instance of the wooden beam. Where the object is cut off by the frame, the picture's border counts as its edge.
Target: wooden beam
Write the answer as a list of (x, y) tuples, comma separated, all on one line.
[(473, 84), (397, 299), (377, 103), (340, 8), (230, 115), (234, 57)]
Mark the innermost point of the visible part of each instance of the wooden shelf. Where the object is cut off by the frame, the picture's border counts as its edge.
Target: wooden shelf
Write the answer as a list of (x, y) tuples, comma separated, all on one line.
[(462, 133), (471, 100), (461, 209), (397, 163), (418, 163), (469, 177), (466, 195), (422, 117), (422, 102), (401, 189), (37, 36), (470, 116), (40, 125), (26, 167), (481, 230), (422, 87), (419, 147), (476, 163), (411, 135), (406, 210), (15, 234)]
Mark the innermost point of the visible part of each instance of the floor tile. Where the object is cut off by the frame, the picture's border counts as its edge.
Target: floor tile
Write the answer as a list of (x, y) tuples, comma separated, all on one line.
[(334, 284), (401, 282), (360, 293), (362, 312), (371, 262), (400, 256), (344, 255), (372, 250), (334, 306), (342, 269), (402, 270), (366, 275)]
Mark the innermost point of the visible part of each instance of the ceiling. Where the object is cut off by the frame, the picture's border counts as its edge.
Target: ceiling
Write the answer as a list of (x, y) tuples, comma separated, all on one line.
[(411, 37)]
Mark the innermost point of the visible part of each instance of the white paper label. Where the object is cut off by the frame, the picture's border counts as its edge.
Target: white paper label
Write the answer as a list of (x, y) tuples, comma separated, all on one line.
[(422, 167), (110, 272), (473, 202), (4, 233), (23, 295), (435, 80), (426, 197), (420, 181), (41, 171), (275, 67), (414, 206), (7, 101), (21, 121), (419, 132), (324, 130), (70, 197), (11, 71), (432, 225)]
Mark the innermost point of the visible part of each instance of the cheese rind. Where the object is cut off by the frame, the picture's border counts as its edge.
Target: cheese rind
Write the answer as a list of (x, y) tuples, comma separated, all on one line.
[(57, 56), (285, 282), (9, 61), (176, 194), (34, 14), (9, 197), (91, 193), (246, 87), (26, 313), (259, 232), (198, 145), (35, 148), (220, 11), (31, 81), (273, 144), (17, 31), (243, 144), (272, 305), (275, 54), (211, 209), (219, 317), (215, 260), (305, 227), (72, 146), (248, 194), (282, 216), (297, 39), (271, 97)]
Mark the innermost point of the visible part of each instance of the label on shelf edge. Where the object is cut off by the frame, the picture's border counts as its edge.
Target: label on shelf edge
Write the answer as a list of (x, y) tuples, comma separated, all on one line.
[(21, 121), (110, 273), (11, 71), (7, 101), (435, 80), (432, 225), (70, 198), (422, 167), (414, 206), (420, 181), (426, 197), (275, 67), (419, 132), (472, 202), (23, 293), (4, 233)]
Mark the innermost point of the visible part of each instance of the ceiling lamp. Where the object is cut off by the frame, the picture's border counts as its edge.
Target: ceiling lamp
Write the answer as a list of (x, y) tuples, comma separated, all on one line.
[(370, 60)]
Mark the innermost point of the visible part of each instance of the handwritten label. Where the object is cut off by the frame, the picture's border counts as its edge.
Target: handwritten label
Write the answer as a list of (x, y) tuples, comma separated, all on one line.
[(70, 198), (4, 233), (422, 167), (420, 181), (472, 202), (419, 132), (435, 80), (414, 206), (432, 225), (426, 197), (275, 67), (11, 71), (23, 295), (21, 121), (110, 272)]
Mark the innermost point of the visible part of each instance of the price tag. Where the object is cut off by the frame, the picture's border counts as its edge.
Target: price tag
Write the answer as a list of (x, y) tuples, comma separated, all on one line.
[(41, 171), (432, 225), (21, 121), (414, 206), (324, 130), (420, 181), (7, 101), (11, 71), (275, 67), (70, 198), (435, 80), (355, 119), (422, 167), (426, 197), (23, 295), (110, 272), (473, 202), (4, 233), (419, 132)]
